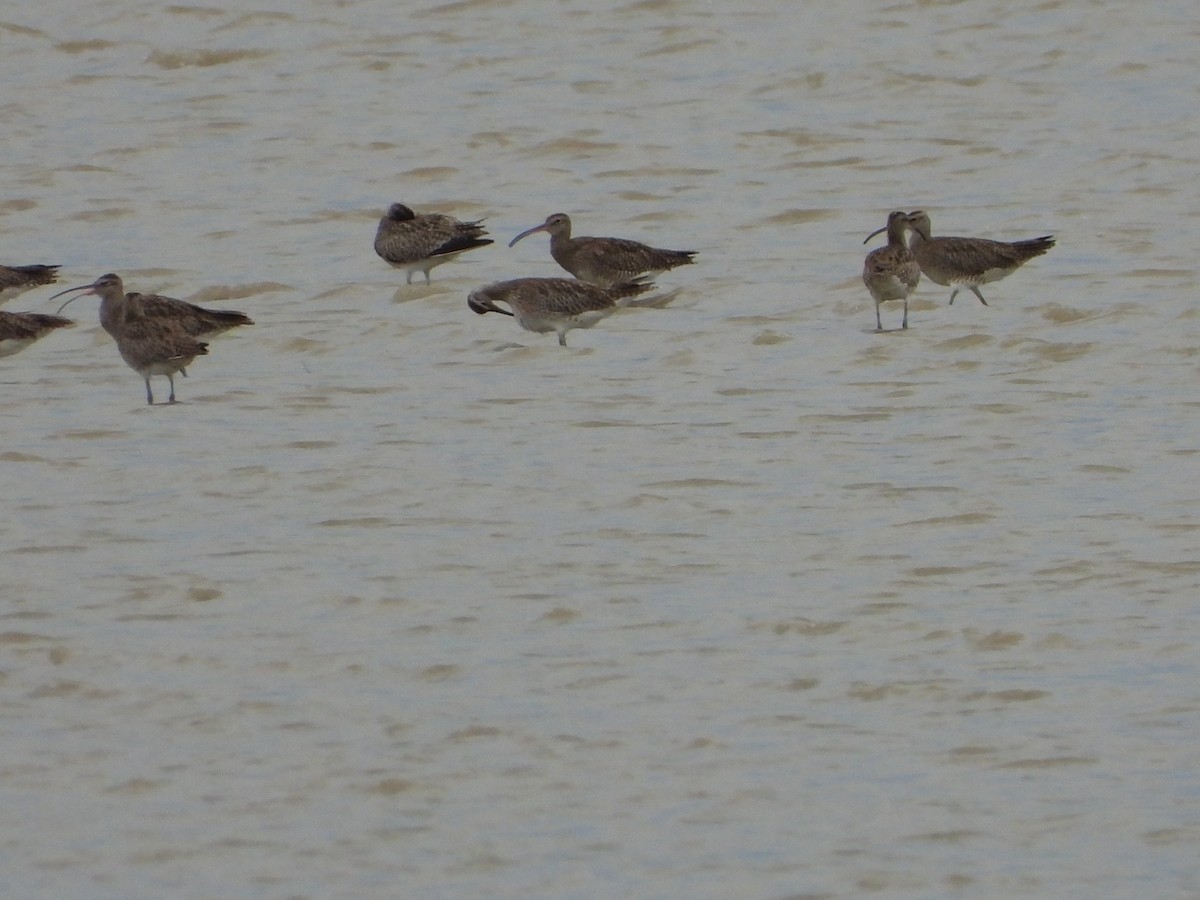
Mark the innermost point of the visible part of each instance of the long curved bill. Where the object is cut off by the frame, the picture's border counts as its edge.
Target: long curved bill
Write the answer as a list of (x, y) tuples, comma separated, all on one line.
[(524, 234), (83, 287)]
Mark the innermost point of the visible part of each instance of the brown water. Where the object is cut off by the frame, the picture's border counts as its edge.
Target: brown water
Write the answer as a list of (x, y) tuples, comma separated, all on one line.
[(733, 598)]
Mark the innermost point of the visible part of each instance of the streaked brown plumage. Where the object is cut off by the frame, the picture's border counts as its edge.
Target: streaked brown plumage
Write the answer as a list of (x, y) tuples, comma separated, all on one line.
[(191, 319), (18, 279), (963, 262), (554, 304), (155, 335), (417, 243), (20, 329), (155, 347), (891, 272), (604, 261)]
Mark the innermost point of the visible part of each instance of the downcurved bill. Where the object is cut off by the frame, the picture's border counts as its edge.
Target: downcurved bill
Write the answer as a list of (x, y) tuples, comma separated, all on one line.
[(524, 234), (875, 232), (83, 287)]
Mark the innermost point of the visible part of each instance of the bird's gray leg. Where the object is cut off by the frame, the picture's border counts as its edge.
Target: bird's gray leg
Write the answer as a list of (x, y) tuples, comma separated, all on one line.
[(171, 379), (149, 394), (975, 291), (953, 294), (878, 321), (904, 324)]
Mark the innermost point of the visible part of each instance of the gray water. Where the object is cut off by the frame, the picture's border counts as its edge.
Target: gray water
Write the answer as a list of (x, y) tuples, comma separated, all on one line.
[(733, 598)]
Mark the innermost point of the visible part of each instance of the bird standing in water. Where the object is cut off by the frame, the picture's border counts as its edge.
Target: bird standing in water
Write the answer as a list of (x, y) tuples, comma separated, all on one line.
[(155, 335), (965, 262), (554, 304), (891, 272), (417, 243), (605, 261)]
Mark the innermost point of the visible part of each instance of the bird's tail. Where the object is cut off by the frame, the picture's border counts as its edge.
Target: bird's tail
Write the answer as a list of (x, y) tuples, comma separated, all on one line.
[(627, 290), (1034, 246)]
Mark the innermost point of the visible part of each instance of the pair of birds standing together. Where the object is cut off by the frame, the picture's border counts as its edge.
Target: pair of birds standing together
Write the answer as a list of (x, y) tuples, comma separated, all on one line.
[(892, 272), (609, 272)]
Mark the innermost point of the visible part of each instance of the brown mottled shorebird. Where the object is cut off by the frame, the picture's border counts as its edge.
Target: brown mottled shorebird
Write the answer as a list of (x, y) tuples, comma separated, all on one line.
[(18, 279), (554, 304), (604, 261), (152, 347), (155, 335), (963, 262), (187, 317), (20, 329), (417, 243), (891, 272)]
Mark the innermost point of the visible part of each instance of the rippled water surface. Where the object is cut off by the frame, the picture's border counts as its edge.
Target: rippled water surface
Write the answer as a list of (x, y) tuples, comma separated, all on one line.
[(732, 598)]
